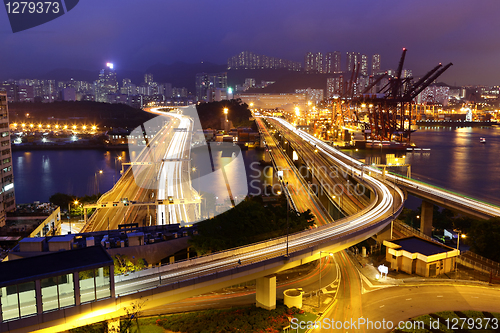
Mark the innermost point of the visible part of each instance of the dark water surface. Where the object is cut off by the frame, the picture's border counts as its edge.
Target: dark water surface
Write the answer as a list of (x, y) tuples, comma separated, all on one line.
[(41, 173), (457, 160)]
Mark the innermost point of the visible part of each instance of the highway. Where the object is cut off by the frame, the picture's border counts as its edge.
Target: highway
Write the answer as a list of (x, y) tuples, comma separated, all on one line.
[(333, 180), (164, 172), (174, 179), (244, 296), (423, 189), (183, 279), (299, 190), (381, 210)]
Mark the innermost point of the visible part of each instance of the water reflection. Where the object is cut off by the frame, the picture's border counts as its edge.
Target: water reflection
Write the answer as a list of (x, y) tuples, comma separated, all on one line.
[(457, 160)]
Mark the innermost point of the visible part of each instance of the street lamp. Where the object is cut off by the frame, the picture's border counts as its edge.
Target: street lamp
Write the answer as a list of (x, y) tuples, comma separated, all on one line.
[(226, 110), (460, 235), (119, 158), (97, 181), (69, 211), (319, 291)]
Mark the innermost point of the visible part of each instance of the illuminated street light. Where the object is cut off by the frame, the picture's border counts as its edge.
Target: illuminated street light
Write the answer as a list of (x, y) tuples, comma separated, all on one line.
[(226, 124)]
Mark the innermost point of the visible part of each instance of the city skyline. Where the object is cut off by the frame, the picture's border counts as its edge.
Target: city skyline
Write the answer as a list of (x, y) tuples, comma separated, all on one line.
[(96, 32)]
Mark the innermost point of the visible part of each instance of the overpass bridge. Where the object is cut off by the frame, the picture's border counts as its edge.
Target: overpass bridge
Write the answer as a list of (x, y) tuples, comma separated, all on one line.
[(169, 283), (429, 193)]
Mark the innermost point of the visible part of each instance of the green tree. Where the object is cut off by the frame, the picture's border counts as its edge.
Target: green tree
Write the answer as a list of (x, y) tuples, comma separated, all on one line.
[(210, 114), (484, 237), (61, 199), (250, 221)]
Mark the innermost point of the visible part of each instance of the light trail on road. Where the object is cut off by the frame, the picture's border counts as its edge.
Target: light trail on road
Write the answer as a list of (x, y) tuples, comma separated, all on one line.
[(381, 211)]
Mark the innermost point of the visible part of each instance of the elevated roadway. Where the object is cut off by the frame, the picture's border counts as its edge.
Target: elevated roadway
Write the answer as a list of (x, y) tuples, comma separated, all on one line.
[(160, 172), (440, 196), (170, 283)]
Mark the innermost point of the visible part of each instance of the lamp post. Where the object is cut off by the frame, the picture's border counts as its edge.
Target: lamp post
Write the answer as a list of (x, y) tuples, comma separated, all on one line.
[(319, 291), (226, 110), (69, 211), (97, 181), (119, 158), (460, 235)]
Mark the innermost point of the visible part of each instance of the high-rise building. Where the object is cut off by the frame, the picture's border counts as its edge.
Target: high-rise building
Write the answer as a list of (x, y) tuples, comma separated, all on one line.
[(364, 65), (313, 62), (250, 60), (7, 197), (206, 81), (148, 78), (332, 63), (334, 86), (312, 95), (352, 58), (407, 73), (375, 64), (106, 84), (167, 90)]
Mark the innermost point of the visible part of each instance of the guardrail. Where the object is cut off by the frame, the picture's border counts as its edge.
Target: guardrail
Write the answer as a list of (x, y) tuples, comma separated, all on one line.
[(194, 278), (409, 231)]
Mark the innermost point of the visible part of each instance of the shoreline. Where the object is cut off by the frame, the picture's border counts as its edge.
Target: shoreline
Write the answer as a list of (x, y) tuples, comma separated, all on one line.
[(67, 147)]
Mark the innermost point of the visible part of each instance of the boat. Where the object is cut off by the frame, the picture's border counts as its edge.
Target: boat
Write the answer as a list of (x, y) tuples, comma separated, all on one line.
[(482, 140)]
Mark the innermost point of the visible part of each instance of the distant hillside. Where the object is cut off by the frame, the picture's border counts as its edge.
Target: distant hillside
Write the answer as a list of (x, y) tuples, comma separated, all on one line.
[(101, 114), (238, 76), (296, 80), (66, 74), (181, 74)]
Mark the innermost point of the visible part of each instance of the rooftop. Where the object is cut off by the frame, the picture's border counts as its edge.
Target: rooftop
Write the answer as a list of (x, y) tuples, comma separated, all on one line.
[(52, 264), (415, 244)]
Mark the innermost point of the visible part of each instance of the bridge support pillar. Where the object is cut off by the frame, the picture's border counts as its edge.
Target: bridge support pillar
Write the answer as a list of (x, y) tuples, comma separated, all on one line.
[(426, 218), (266, 292), (268, 175), (114, 325)]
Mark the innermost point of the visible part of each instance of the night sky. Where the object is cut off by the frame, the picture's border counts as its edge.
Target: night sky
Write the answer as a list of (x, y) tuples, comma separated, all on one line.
[(135, 34)]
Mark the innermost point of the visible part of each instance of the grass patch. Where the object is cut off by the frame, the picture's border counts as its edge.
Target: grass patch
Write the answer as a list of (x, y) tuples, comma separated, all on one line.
[(241, 319), (305, 317), (147, 325)]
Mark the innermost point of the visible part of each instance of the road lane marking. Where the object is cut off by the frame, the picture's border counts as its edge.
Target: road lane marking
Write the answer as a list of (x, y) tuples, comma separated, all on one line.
[(408, 299)]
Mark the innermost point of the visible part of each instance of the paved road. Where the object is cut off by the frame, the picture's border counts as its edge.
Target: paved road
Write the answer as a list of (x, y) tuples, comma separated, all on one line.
[(298, 188), (232, 297), (168, 175), (357, 301)]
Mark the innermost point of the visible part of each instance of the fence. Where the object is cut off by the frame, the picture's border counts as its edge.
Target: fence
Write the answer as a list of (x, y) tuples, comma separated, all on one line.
[(466, 258)]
